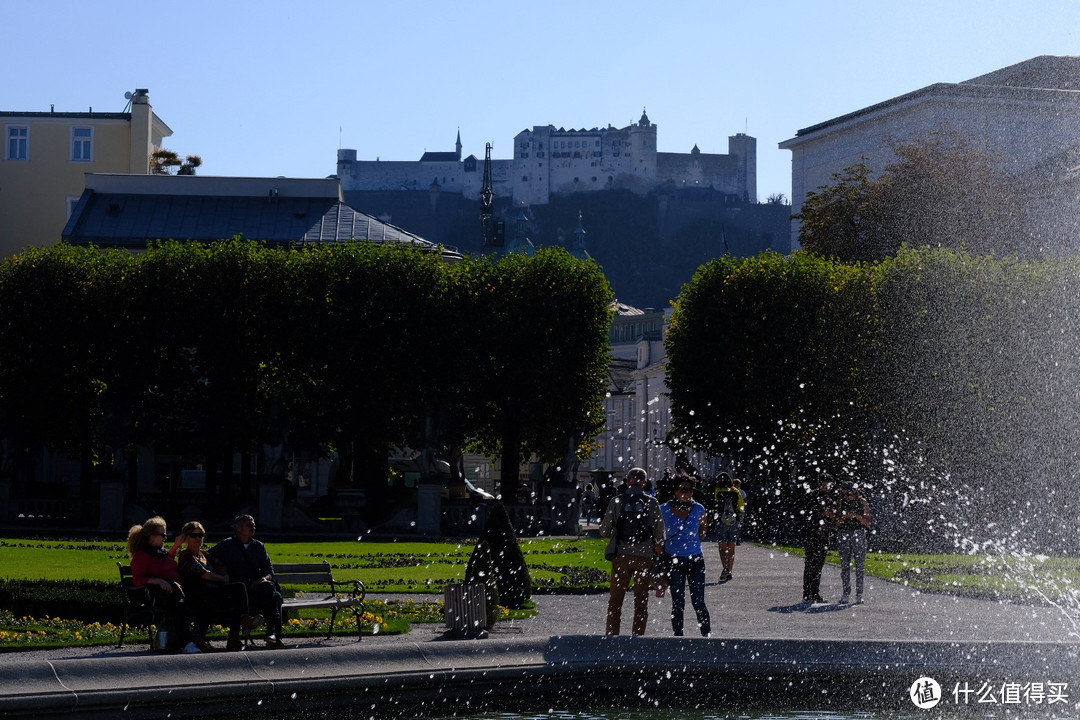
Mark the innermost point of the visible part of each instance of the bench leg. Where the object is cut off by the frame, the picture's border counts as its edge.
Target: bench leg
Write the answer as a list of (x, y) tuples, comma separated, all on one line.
[(358, 613)]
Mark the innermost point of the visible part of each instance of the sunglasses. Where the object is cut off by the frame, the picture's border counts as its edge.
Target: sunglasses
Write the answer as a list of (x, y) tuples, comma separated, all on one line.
[(686, 489), (160, 534), (198, 535)]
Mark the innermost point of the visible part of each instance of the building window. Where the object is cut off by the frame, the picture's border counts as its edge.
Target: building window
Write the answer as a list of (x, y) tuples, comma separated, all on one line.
[(82, 144), (17, 142)]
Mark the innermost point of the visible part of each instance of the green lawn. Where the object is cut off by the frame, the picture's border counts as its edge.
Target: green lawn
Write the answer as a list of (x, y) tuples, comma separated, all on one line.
[(1019, 578), (383, 566)]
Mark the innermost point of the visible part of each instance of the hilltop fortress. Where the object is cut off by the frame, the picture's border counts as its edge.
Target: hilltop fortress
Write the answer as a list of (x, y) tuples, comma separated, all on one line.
[(553, 161)]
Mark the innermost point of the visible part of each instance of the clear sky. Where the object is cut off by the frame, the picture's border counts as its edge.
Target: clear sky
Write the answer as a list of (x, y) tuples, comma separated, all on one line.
[(275, 88)]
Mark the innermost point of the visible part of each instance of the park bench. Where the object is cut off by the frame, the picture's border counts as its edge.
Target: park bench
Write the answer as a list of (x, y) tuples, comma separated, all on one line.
[(342, 594), (140, 609)]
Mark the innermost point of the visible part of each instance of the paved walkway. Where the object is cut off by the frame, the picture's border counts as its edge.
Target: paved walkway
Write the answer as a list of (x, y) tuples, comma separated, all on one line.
[(759, 608)]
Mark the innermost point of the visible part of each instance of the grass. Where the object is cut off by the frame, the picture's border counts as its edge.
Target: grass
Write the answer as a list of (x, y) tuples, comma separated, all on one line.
[(1021, 578), (387, 567), (384, 566)]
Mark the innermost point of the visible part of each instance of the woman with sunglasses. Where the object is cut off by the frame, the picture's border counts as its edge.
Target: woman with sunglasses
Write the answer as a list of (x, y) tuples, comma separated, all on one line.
[(154, 567), (209, 590), (685, 525)]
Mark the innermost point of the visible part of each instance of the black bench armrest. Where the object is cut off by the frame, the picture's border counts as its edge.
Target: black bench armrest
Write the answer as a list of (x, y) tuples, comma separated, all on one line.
[(356, 591)]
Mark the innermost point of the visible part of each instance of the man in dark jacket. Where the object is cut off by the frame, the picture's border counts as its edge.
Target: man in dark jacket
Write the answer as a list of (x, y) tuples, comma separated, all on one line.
[(818, 512), (248, 562)]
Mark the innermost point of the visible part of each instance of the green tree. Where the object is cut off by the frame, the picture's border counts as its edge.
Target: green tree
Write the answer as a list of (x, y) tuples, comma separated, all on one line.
[(61, 350), (543, 356), (939, 192), (842, 220), (767, 357), (206, 318)]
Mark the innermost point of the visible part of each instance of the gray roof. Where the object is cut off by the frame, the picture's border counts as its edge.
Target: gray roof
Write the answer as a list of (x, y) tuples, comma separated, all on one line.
[(440, 157), (130, 220), (621, 374), (1044, 79)]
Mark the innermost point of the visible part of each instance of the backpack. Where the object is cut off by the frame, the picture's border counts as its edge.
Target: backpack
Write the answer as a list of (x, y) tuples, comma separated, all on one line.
[(728, 516), (633, 523)]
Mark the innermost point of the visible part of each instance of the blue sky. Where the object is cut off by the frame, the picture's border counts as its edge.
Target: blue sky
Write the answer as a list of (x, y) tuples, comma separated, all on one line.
[(275, 88)]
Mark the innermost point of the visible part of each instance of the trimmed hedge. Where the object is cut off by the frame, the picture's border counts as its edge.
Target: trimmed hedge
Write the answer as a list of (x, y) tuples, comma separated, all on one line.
[(88, 601)]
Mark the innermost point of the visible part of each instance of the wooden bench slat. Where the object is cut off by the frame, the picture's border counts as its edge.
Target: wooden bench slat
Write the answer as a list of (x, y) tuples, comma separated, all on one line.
[(323, 567), (302, 578)]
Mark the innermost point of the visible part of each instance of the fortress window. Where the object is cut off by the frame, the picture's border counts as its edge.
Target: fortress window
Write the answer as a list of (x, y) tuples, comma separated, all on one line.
[(524, 178)]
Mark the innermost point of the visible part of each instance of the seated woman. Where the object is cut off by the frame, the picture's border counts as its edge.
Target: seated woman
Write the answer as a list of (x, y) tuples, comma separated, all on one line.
[(154, 567), (209, 590)]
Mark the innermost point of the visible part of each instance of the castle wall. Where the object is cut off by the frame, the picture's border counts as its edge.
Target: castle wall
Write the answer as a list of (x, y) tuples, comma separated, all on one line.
[(549, 160)]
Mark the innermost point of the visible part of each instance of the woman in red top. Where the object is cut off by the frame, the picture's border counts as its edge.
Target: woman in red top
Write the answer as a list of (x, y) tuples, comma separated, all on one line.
[(153, 566)]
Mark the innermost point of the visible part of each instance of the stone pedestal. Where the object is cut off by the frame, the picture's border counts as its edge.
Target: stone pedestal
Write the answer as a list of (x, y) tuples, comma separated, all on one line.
[(7, 509), (429, 509), (271, 506), (111, 507), (564, 510)]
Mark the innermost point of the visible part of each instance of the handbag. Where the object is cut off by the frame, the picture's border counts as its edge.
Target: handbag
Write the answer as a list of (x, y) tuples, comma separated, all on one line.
[(612, 547)]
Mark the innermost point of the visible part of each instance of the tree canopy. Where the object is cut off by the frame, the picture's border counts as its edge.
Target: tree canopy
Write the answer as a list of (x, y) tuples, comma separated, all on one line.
[(938, 378), (939, 192), (210, 349)]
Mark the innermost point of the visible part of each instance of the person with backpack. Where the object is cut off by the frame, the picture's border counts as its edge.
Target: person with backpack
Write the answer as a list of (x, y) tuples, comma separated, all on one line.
[(729, 505), (685, 525), (635, 525)]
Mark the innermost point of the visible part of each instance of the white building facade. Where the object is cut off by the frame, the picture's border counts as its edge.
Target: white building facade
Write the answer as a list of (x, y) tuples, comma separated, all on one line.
[(1024, 115)]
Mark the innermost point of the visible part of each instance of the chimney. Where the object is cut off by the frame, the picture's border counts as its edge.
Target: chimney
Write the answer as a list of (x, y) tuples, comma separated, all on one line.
[(142, 122)]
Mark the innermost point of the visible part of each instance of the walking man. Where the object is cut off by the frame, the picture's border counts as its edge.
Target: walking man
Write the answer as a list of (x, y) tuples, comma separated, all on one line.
[(636, 527)]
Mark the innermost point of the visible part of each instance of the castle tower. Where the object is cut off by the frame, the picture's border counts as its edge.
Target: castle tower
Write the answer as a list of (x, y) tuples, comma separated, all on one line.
[(457, 145), (744, 147), (643, 153)]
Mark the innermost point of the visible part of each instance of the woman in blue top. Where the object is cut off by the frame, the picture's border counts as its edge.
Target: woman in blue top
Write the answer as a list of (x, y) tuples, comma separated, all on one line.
[(685, 525)]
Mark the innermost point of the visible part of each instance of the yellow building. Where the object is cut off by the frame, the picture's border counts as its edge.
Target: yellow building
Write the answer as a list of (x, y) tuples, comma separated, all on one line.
[(46, 155)]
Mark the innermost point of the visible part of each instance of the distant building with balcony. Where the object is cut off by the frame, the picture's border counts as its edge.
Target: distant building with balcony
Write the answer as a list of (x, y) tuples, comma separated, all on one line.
[(47, 154)]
